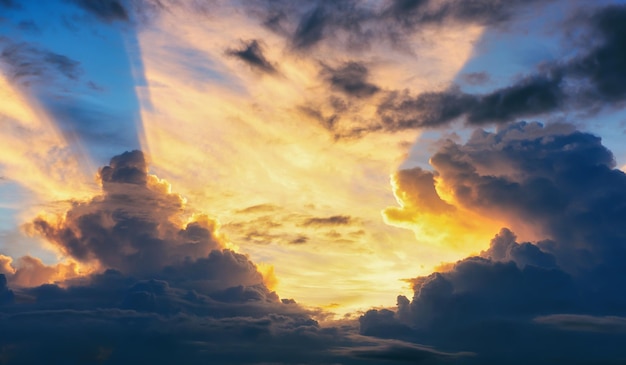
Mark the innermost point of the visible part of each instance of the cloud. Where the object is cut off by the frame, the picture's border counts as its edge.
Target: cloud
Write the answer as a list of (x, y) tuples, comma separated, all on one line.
[(552, 182), (6, 295), (310, 23), (165, 280), (259, 208), (336, 220), (585, 323), (135, 226), (105, 10), (31, 271), (476, 78), (402, 352), (351, 79), (252, 54), (27, 63), (588, 81)]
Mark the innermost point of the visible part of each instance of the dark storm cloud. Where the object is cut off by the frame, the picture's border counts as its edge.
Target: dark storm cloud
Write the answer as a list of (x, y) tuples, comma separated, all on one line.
[(335, 220), (252, 54), (27, 63), (105, 10), (351, 79), (558, 298)]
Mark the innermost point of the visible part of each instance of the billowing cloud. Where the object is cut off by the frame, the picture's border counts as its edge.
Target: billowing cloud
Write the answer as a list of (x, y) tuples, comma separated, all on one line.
[(556, 184), (136, 226)]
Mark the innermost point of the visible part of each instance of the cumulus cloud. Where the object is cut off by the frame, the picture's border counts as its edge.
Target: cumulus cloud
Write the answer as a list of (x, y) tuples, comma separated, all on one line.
[(135, 226), (562, 185)]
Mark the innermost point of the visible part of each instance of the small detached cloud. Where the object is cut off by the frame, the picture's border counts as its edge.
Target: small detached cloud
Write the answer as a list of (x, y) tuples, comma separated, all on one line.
[(252, 54)]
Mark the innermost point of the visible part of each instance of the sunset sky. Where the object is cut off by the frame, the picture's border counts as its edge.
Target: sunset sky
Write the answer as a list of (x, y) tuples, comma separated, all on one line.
[(316, 181)]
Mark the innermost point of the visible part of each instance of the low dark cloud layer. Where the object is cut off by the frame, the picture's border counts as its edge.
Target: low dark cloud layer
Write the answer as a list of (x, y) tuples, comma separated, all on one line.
[(552, 297)]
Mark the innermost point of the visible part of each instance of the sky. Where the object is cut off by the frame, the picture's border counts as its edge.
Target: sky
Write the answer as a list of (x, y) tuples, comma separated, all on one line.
[(323, 182)]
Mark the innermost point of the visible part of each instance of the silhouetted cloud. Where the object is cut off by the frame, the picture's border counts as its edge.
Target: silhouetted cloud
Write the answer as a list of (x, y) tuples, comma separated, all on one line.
[(252, 54)]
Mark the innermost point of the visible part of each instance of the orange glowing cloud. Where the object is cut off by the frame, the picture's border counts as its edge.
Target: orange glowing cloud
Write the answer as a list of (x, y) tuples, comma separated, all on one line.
[(435, 217)]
